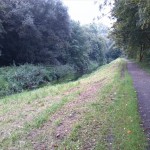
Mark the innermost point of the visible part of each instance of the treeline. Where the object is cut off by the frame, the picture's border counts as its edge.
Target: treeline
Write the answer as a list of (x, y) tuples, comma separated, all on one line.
[(132, 27), (39, 44), (40, 32)]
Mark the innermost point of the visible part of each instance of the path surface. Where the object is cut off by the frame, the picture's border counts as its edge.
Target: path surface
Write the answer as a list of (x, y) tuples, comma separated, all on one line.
[(69, 114), (141, 81)]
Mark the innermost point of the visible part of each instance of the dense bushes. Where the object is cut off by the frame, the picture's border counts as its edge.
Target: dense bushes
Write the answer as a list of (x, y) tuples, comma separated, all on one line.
[(26, 77), (113, 53)]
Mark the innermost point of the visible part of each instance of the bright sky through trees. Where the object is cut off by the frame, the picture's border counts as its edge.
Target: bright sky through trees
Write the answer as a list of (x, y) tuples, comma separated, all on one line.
[(86, 10)]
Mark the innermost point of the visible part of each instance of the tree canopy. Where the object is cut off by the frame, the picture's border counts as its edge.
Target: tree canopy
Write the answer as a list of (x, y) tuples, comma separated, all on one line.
[(41, 32), (31, 30), (132, 27)]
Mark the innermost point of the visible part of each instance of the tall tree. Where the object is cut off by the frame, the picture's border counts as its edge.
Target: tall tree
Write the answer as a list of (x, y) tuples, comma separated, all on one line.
[(131, 29), (36, 31)]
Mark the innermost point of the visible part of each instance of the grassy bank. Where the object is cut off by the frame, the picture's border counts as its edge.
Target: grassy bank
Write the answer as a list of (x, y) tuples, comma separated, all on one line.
[(112, 121), (108, 119)]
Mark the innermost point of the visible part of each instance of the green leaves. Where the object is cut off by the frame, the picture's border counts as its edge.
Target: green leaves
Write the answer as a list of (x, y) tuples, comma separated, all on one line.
[(131, 29), (36, 31)]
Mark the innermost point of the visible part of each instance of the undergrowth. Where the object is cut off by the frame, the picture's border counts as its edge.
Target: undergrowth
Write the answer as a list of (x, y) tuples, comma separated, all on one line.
[(16, 79)]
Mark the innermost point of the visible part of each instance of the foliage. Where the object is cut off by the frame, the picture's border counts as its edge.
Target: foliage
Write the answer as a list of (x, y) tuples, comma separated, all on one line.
[(34, 31), (86, 47), (39, 37), (3, 86), (112, 51), (37, 31), (132, 26), (62, 73), (85, 52), (26, 77)]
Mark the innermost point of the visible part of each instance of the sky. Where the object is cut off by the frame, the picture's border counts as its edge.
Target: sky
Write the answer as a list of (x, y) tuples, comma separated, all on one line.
[(85, 10)]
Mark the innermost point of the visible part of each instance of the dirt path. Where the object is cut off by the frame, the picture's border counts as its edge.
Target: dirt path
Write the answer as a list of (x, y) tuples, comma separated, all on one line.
[(141, 81), (50, 133)]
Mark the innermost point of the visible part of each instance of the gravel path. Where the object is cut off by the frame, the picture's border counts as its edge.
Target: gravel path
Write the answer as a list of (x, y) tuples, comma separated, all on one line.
[(141, 81)]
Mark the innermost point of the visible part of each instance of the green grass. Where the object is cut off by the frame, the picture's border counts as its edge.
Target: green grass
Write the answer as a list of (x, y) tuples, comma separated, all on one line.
[(112, 121), (37, 122), (58, 122), (45, 115), (125, 118)]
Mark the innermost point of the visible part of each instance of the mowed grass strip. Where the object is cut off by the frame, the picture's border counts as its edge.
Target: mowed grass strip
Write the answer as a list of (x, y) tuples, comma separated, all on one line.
[(128, 134), (112, 122), (19, 135), (16, 110)]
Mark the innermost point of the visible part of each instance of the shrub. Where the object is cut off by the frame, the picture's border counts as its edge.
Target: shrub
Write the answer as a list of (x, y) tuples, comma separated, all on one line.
[(63, 73), (3, 86), (26, 77)]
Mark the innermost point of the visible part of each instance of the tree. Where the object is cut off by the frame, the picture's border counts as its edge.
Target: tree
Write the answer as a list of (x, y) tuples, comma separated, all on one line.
[(41, 32), (131, 32), (36, 31), (86, 47)]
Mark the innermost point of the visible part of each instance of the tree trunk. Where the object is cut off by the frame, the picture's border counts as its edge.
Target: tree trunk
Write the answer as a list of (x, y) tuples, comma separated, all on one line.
[(141, 53)]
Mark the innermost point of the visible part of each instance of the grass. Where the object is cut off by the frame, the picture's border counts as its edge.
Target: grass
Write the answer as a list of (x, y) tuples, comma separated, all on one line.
[(45, 115), (145, 66), (37, 122), (111, 121), (58, 122)]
